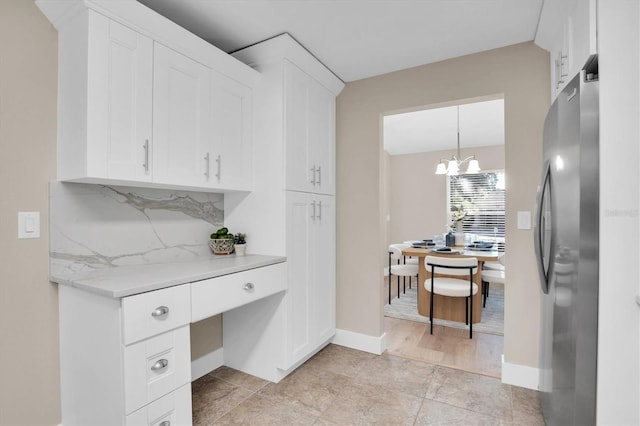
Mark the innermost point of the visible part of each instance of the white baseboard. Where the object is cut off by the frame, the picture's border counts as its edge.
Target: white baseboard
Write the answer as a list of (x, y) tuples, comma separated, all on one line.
[(361, 342), (207, 363), (520, 375)]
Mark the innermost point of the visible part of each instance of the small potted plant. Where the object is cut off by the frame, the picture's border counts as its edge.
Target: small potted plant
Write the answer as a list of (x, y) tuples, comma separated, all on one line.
[(240, 244), (221, 241)]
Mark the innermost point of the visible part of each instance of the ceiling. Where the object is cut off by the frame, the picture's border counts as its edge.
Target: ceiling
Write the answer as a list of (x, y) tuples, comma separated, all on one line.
[(481, 124), (358, 39)]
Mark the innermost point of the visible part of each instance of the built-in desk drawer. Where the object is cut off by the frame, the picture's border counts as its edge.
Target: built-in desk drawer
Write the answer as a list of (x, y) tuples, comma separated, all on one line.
[(171, 410), (155, 312), (155, 367), (216, 295)]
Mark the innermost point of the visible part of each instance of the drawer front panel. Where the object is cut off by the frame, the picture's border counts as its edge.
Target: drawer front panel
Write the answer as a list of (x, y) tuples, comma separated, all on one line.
[(172, 409), (216, 295), (155, 367), (155, 312)]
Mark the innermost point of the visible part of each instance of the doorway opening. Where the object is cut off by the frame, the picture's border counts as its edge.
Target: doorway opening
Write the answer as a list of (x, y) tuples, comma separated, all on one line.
[(421, 205)]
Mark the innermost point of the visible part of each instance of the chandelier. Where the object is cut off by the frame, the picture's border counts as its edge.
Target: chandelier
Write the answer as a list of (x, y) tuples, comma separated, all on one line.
[(453, 167)]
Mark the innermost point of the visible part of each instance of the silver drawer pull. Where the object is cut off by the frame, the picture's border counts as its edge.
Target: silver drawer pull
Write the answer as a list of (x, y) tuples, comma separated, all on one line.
[(165, 423), (160, 364), (160, 312), (249, 287)]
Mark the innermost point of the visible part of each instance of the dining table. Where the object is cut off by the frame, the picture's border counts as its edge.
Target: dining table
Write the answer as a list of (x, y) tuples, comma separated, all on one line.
[(445, 307)]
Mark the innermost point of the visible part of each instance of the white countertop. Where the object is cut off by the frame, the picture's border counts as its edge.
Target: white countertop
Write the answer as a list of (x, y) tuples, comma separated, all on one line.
[(124, 281)]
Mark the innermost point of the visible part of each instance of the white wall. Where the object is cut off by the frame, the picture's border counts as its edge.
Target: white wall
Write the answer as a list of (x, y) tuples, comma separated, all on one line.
[(618, 316), (520, 73)]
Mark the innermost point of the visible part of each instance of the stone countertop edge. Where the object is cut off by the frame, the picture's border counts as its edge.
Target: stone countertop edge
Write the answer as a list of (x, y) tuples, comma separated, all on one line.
[(123, 281)]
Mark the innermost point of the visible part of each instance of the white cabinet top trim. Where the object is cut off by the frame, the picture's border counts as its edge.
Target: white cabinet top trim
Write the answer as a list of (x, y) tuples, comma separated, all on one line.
[(285, 47), (140, 18)]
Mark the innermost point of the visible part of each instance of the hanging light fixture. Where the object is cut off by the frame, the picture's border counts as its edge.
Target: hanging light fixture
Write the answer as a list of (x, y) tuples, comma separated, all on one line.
[(453, 167)]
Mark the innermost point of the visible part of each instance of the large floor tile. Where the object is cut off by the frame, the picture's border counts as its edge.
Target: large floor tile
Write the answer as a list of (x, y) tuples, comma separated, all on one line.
[(439, 413), (309, 389), (526, 407), (258, 410), (365, 404), (339, 360), (397, 374), (239, 378), (474, 392), (213, 397)]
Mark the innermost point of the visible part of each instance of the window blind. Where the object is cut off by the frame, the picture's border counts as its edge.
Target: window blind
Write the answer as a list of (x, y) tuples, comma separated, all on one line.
[(481, 196)]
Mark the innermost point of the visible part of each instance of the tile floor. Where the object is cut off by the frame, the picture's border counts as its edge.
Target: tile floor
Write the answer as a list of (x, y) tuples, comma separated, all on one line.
[(342, 386)]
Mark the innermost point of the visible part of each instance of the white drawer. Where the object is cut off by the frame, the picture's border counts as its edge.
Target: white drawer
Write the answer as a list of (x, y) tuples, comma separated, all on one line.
[(170, 410), (155, 367), (216, 295), (155, 312)]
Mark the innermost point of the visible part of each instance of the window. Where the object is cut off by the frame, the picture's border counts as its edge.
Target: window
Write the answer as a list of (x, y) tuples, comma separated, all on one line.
[(481, 197)]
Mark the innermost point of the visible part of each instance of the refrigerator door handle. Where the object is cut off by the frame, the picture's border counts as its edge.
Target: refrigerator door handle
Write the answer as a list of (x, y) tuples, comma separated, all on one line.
[(540, 227)]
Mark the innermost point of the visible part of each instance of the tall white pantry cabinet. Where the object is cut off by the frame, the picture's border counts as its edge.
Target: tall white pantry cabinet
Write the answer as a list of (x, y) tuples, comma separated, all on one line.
[(294, 196)]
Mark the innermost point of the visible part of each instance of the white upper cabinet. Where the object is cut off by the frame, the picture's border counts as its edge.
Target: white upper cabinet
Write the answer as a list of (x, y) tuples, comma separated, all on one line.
[(182, 134), (229, 160), (105, 97), (309, 133), (567, 30), (143, 102)]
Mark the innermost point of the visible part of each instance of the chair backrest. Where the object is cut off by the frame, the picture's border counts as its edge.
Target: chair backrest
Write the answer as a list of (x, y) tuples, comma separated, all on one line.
[(451, 265), (395, 251)]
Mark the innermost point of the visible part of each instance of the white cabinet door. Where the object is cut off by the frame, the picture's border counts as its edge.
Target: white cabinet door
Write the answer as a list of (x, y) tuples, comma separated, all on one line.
[(230, 155), (573, 42), (321, 137), (181, 120), (311, 272), (121, 87), (309, 132), (322, 273), (299, 258)]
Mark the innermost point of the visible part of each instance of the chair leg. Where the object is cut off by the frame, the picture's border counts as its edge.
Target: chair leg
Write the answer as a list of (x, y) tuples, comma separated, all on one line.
[(471, 322), (404, 285), (389, 288), (398, 286), (431, 304), (471, 303), (466, 311)]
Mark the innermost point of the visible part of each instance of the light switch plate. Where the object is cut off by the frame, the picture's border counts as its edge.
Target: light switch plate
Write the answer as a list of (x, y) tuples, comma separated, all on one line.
[(524, 220), (28, 225)]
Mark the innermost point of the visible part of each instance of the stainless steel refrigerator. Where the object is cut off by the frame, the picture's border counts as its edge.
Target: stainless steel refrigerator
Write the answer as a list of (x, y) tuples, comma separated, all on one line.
[(566, 243)]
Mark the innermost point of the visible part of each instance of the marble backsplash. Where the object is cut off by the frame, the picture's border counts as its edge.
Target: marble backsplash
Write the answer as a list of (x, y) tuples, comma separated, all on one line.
[(97, 226)]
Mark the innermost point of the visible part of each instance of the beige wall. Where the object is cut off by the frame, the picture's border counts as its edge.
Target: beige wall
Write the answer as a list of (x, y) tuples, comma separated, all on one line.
[(418, 197), (29, 362), (520, 74)]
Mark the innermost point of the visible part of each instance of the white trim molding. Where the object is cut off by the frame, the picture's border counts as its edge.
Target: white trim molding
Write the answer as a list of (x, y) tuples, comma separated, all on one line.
[(520, 375), (361, 342)]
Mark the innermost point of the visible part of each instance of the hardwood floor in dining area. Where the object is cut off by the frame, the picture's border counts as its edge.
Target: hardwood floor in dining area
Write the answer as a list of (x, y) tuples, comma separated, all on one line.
[(449, 347)]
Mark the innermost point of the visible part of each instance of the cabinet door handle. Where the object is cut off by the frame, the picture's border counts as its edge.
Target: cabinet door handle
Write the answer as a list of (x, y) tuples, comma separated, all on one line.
[(319, 210), (160, 312), (165, 423), (219, 163), (206, 167), (146, 155), (159, 365), (313, 213), (313, 179), (319, 176), (249, 287)]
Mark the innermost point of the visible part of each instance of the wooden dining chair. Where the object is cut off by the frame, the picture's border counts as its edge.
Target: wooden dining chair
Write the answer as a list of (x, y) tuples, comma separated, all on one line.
[(398, 268), (449, 285)]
